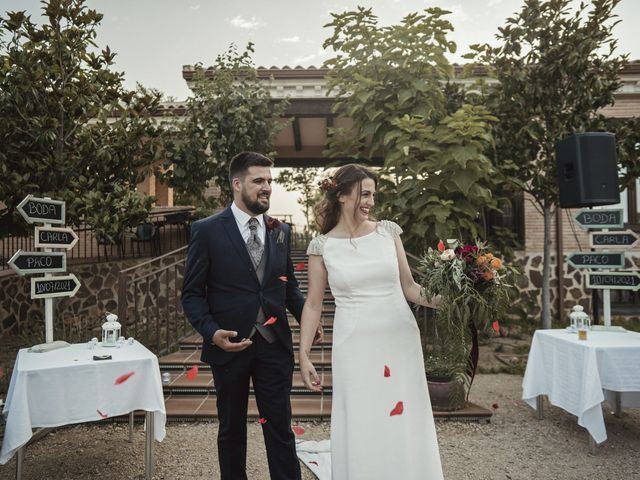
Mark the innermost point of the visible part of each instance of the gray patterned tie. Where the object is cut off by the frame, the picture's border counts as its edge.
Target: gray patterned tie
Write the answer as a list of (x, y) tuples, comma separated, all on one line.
[(254, 244)]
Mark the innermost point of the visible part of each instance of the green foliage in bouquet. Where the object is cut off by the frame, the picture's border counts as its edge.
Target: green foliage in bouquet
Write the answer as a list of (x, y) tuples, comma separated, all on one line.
[(476, 289)]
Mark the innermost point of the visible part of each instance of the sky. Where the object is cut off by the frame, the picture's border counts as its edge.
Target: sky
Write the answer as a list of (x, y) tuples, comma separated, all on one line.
[(153, 39)]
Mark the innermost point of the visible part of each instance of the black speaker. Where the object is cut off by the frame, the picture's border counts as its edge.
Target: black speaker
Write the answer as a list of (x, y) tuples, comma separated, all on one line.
[(587, 170)]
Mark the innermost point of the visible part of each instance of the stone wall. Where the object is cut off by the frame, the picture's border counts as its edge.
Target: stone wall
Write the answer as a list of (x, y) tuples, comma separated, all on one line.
[(98, 293), (530, 283)]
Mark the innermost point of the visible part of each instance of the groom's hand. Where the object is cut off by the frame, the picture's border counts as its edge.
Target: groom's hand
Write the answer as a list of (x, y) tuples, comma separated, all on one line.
[(221, 339)]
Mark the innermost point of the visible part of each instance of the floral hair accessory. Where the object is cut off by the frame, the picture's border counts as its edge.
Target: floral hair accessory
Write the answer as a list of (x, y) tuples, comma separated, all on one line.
[(328, 184)]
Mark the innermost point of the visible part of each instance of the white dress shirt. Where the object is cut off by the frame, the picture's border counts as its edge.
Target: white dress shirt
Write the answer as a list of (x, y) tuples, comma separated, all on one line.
[(242, 219)]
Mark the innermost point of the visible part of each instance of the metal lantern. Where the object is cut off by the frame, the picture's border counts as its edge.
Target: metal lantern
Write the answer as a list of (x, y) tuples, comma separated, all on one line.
[(579, 319), (110, 330)]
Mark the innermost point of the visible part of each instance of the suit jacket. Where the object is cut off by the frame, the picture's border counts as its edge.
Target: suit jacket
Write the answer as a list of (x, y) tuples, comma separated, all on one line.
[(221, 288)]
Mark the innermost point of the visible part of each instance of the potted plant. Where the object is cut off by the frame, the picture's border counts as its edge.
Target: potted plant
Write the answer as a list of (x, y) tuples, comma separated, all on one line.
[(475, 290)]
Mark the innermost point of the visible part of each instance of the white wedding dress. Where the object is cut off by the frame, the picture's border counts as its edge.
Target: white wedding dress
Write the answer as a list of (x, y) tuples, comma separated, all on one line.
[(382, 426)]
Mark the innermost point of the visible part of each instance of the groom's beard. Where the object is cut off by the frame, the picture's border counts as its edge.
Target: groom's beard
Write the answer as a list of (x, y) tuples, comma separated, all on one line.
[(255, 207)]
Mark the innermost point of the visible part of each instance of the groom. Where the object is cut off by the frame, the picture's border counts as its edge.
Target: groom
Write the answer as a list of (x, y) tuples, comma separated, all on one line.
[(238, 280)]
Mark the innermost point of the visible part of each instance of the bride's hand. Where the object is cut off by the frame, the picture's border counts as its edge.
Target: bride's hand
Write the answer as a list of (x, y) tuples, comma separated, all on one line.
[(310, 378)]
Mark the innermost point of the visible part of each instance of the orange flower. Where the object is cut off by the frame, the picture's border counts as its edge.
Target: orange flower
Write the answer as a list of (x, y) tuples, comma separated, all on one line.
[(481, 260), (496, 263), (488, 275)]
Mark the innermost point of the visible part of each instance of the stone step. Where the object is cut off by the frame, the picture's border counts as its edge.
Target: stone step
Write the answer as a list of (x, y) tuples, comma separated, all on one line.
[(195, 340), (203, 382), (203, 406), (184, 359)]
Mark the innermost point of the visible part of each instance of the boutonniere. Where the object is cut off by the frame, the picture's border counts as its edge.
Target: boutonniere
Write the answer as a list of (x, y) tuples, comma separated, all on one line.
[(274, 224)]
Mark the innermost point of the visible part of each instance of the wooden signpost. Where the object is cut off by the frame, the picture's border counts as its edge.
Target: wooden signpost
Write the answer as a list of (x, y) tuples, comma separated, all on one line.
[(605, 260), (48, 212)]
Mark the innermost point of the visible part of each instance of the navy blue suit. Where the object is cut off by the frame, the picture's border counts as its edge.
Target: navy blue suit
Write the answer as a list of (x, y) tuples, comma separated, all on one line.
[(221, 291)]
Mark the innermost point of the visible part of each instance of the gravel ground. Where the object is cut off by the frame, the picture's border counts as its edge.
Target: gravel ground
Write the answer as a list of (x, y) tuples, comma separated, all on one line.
[(515, 445)]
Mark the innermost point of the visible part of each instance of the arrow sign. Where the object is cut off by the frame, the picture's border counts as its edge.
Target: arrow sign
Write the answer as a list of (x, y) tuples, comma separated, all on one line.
[(625, 239), (63, 286), (38, 262), (55, 237), (596, 260), (614, 280), (591, 219), (43, 210)]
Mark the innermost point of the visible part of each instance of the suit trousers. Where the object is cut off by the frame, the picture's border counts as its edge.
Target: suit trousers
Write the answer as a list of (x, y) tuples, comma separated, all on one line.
[(270, 367)]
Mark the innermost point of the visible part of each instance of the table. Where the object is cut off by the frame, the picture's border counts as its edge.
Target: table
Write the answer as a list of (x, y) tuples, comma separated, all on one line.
[(66, 386), (577, 375)]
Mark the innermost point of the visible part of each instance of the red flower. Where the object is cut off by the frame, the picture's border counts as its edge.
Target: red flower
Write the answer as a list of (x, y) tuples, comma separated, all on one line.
[(441, 246), (262, 421), (272, 223), (387, 371)]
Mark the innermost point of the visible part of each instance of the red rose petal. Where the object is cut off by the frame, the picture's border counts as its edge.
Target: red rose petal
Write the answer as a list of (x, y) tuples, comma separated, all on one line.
[(192, 373), (271, 321), (262, 420), (297, 429), (387, 371), (283, 278), (496, 327), (313, 461), (397, 410), (123, 378), (103, 415), (441, 246), (300, 266)]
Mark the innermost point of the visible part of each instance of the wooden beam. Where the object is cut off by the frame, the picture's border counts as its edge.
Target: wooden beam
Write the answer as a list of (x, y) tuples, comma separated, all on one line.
[(297, 139)]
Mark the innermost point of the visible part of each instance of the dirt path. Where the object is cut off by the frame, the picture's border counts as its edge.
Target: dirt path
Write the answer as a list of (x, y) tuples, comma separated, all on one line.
[(513, 446)]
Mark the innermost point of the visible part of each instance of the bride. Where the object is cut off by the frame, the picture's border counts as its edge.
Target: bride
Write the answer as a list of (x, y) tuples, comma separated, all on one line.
[(381, 421)]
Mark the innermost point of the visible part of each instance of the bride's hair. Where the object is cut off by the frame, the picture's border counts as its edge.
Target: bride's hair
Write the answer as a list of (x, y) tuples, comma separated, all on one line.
[(344, 180)]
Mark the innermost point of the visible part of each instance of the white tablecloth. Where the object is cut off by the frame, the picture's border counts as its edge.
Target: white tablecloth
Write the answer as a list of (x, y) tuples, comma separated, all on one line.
[(67, 386), (577, 375)]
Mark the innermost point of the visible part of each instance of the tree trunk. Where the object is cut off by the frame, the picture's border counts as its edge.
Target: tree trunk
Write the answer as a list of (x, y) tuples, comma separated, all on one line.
[(546, 267)]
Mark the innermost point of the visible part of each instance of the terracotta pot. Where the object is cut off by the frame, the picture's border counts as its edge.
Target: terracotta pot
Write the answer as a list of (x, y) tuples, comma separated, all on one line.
[(446, 394)]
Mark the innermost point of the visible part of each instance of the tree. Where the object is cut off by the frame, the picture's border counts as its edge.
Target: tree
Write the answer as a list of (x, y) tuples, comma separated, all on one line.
[(56, 97), (556, 69), (305, 181), (395, 83), (228, 113)]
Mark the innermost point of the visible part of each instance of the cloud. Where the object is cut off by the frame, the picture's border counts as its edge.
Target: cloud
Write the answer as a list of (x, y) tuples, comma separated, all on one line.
[(305, 59), (294, 39), (493, 3), (194, 7), (244, 23), (319, 56)]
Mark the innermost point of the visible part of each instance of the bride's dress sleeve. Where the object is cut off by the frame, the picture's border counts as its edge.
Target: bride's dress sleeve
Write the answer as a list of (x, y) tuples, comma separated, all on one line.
[(391, 227), (316, 247)]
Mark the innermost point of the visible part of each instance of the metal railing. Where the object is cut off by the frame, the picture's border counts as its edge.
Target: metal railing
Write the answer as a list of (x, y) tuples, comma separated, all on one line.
[(149, 307), (169, 229)]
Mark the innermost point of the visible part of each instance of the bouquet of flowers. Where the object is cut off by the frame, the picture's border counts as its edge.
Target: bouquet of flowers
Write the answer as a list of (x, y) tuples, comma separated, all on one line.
[(475, 290)]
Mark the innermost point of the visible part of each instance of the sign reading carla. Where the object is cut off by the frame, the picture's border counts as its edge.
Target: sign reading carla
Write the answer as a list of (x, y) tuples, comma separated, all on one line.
[(55, 237), (624, 239)]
